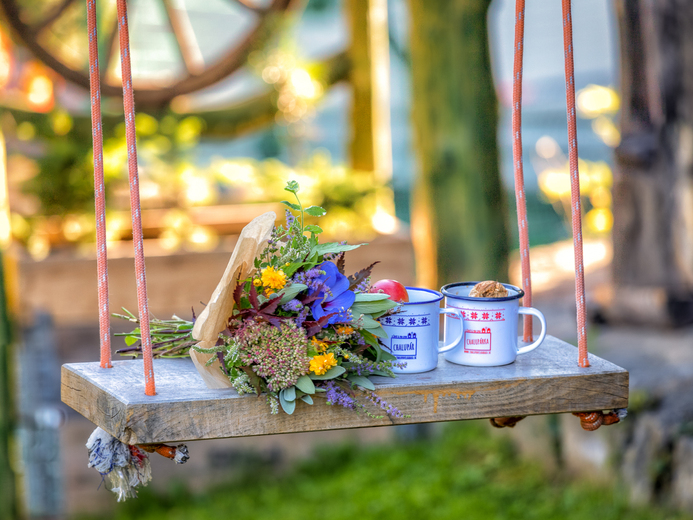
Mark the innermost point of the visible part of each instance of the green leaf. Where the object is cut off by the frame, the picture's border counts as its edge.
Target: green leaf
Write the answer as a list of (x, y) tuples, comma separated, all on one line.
[(370, 339), (307, 399), (288, 406), (371, 297), (315, 211), (333, 247), (330, 374), (361, 381), (372, 307), (377, 331), (313, 229), (386, 356), (293, 206), (291, 269), (289, 393), (305, 384), (131, 340), (291, 292), (292, 186), (368, 322)]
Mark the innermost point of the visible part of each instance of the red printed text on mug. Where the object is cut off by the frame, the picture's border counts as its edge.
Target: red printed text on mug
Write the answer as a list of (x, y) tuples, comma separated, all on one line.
[(482, 315), (478, 341)]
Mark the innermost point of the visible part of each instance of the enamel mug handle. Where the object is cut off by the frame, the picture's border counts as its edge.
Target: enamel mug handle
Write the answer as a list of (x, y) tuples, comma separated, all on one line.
[(456, 312), (542, 334)]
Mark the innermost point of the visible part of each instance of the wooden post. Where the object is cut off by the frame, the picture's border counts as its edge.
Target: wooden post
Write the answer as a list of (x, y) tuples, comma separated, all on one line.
[(459, 215), (653, 182), (371, 140)]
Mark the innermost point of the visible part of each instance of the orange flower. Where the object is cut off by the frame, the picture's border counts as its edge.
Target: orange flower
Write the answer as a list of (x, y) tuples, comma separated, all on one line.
[(319, 365)]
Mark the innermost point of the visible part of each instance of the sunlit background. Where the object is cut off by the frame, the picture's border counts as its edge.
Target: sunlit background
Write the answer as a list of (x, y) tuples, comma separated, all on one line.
[(191, 170)]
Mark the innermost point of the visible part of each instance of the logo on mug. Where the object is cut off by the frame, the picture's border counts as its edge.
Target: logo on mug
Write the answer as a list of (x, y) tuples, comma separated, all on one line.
[(403, 347), (478, 341)]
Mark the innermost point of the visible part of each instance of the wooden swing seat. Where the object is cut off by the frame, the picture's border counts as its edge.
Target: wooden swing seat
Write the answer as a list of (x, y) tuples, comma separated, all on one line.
[(544, 381)]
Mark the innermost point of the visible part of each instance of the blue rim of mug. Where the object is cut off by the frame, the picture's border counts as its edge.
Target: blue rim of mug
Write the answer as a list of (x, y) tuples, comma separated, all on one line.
[(446, 291), (438, 295)]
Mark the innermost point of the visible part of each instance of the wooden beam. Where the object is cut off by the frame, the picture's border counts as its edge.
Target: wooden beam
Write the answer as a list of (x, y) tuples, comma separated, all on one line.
[(371, 139), (546, 380)]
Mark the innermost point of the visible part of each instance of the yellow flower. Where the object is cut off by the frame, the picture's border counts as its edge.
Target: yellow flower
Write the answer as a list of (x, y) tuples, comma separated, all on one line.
[(287, 264), (345, 330), (320, 346), (273, 279), (321, 364), (346, 356), (257, 282)]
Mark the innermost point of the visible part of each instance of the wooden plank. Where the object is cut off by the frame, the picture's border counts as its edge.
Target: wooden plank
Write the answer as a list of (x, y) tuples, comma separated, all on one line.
[(546, 380)]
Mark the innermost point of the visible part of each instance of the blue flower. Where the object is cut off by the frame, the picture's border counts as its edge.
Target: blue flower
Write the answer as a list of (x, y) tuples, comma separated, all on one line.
[(334, 297)]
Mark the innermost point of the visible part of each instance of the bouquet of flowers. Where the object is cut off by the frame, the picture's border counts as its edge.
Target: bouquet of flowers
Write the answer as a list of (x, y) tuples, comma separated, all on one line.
[(292, 324)]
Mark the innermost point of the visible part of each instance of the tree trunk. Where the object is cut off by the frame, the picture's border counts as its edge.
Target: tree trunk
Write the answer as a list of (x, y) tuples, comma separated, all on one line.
[(371, 142), (653, 183), (459, 223), (8, 503)]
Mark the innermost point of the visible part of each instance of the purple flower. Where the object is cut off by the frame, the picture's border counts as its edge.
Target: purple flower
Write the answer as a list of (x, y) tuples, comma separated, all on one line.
[(337, 396), (302, 316), (311, 278), (292, 306), (388, 408), (334, 297), (289, 219)]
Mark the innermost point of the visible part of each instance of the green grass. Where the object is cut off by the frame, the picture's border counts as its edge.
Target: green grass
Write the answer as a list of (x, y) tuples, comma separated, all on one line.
[(465, 473)]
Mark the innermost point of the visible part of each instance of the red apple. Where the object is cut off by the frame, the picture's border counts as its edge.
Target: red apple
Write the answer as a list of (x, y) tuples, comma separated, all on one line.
[(395, 290)]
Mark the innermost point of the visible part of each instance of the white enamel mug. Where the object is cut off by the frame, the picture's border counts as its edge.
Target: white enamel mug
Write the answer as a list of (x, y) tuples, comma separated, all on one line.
[(412, 334), (489, 326)]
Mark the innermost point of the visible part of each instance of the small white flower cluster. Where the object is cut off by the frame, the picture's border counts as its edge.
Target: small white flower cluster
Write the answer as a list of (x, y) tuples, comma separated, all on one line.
[(273, 403), (242, 384)]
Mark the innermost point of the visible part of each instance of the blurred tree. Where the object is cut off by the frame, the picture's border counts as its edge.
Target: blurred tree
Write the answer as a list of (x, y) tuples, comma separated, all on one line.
[(8, 504), (371, 140), (459, 223), (653, 184)]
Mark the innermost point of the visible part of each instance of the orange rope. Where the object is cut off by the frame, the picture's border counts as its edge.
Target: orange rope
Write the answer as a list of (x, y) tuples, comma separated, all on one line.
[(99, 188), (576, 209), (520, 198), (130, 137)]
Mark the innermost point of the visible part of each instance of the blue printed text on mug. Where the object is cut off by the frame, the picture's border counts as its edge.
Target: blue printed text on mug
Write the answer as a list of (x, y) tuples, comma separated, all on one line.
[(403, 347)]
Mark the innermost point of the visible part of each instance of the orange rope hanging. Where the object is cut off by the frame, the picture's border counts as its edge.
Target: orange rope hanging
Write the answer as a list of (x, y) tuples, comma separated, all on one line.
[(99, 188), (576, 209), (520, 198), (130, 137)]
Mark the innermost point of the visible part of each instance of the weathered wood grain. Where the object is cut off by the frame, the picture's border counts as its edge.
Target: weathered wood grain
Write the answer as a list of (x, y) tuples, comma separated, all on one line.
[(546, 380)]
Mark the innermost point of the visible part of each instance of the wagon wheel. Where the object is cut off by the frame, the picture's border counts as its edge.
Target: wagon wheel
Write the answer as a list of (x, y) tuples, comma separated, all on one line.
[(39, 28)]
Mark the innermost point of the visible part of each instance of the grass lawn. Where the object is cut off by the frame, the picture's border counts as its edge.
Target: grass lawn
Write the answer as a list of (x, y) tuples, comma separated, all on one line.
[(464, 473)]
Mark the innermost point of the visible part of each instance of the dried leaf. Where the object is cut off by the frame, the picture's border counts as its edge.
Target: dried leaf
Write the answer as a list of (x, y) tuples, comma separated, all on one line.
[(340, 263), (313, 327), (359, 277)]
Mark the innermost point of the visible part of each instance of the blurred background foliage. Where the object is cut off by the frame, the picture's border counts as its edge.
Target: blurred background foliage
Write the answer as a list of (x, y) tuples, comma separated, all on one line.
[(51, 183), (463, 472)]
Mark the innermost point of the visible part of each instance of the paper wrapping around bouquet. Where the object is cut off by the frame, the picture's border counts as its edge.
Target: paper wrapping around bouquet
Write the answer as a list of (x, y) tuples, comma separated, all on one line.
[(214, 317)]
